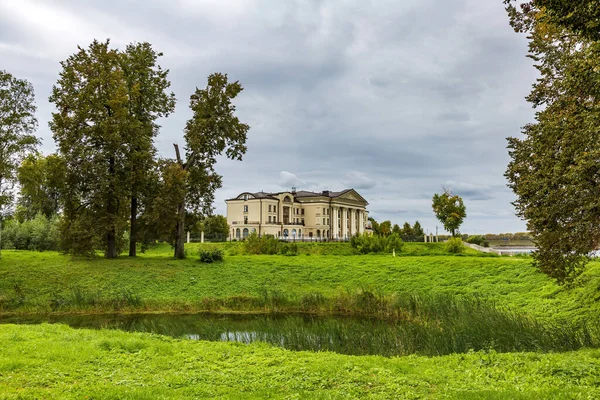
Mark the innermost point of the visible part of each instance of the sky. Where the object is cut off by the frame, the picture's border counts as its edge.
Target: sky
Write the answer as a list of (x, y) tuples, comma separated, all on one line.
[(396, 99)]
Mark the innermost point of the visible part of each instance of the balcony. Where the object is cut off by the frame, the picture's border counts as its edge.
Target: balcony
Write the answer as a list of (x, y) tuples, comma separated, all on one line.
[(294, 223), (245, 222)]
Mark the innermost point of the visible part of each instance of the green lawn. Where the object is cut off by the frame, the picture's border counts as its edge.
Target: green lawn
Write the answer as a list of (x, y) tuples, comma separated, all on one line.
[(54, 361), (44, 282)]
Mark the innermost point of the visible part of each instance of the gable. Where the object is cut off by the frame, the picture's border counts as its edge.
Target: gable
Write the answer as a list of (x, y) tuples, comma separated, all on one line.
[(353, 196)]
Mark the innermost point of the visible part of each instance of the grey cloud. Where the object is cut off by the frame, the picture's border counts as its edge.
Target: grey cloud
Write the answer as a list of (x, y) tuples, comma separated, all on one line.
[(392, 98)]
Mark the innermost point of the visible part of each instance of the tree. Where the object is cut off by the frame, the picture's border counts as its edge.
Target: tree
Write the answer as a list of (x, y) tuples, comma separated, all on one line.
[(41, 183), (406, 229), (449, 210), (375, 226), (92, 128), (215, 227), (396, 229), (148, 100), (581, 16), (17, 127), (418, 230), (213, 130), (385, 228), (554, 169)]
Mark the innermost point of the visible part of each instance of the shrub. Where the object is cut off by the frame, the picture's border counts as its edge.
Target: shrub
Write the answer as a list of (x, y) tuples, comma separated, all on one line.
[(364, 244), (38, 234), (455, 245), (210, 255), (288, 249), (478, 240), (266, 244)]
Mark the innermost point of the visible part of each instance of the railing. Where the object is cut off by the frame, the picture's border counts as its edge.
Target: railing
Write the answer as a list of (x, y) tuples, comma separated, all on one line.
[(245, 222), (294, 223)]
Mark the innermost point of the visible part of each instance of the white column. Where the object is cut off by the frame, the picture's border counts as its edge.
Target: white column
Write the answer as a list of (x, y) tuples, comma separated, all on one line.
[(334, 219), (344, 222), (361, 222), (352, 222)]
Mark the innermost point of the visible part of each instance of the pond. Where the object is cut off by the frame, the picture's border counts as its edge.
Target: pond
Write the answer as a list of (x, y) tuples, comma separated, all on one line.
[(347, 335)]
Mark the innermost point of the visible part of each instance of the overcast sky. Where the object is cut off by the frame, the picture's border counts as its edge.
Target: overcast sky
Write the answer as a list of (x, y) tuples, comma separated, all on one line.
[(393, 98)]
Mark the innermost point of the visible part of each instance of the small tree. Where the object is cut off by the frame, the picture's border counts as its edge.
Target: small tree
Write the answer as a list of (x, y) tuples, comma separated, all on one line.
[(215, 226), (417, 230), (449, 210)]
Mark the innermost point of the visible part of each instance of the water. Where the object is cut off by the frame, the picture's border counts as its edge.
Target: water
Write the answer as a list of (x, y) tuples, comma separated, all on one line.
[(458, 333)]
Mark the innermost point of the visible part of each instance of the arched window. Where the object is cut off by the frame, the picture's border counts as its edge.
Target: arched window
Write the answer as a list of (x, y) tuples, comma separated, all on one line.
[(253, 230), (285, 233), (299, 232), (318, 233), (245, 233), (287, 199), (310, 234), (294, 233), (237, 233)]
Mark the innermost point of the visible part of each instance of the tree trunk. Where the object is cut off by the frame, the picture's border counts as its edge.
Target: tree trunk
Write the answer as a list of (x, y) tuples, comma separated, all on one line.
[(133, 227), (179, 238), (111, 210)]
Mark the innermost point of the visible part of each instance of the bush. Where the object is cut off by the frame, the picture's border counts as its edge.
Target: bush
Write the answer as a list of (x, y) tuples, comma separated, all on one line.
[(288, 249), (478, 240), (455, 245), (365, 244), (266, 244), (38, 234), (210, 255)]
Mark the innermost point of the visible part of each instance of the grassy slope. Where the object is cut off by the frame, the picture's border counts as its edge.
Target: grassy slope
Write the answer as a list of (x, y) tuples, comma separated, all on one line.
[(39, 279), (54, 361)]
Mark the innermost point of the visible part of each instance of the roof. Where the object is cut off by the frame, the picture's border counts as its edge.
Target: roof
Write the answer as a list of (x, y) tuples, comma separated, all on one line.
[(299, 194)]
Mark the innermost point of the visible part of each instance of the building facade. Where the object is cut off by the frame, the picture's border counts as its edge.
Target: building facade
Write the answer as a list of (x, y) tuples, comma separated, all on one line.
[(298, 215)]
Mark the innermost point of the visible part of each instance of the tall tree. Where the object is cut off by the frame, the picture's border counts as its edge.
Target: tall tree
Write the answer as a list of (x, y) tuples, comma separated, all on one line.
[(385, 228), (396, 229), (554, 168), (418, 230), (213, 130), (41, 182), (407, 229), (148, 100), (449, 210), (17, 127), (91, 127)]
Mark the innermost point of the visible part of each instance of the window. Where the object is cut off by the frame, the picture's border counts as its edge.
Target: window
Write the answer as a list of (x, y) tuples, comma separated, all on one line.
[(245, 197), (245, 208), (324, 211), (302, 221), (245, 220), (269, 218), (274, 208), (324, 221), (303, 211), (269, 208)]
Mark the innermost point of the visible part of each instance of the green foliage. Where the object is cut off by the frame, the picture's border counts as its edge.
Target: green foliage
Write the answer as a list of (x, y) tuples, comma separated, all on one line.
[(210, 254), (366, 244), (288, 249), (478, 240), (41, 182), (266, 244), (385, 228), (215, 227), (396, 229), (375, 226), (417, 230), (39, 233), (17, 127), (455, 245), (213, 130), (450, 210), (554, 168)]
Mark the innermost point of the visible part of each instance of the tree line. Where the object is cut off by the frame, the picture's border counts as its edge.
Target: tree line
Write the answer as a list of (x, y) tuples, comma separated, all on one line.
[(106, 180)]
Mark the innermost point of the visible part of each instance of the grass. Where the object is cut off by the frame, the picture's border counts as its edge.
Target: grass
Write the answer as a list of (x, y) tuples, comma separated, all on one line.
[(32, 282), (54, 361)]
